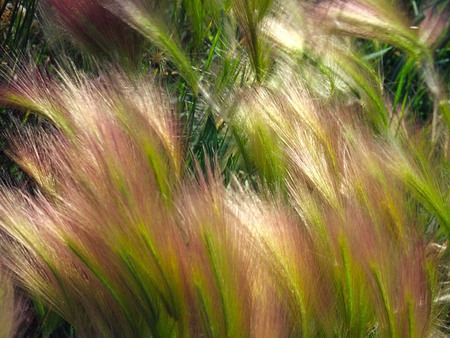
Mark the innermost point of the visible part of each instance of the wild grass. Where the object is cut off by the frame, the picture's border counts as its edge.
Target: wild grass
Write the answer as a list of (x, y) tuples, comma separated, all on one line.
[(265, 186), (120, 240)]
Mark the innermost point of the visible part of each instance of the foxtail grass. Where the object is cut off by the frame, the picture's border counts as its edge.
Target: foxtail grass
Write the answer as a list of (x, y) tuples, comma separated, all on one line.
[(119, 238), (325, 224)]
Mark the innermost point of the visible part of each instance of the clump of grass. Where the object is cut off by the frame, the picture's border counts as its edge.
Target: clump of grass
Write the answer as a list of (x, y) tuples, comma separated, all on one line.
[(119, 239), (129, 229), (350, 193)]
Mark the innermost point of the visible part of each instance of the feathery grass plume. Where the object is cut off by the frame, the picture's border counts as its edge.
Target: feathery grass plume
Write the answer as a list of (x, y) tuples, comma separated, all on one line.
[(327, 42), (118, 242), (328, 63), (92, 26), (220, 45), (347, 188), (110, 241), (147, 18), (370, 19), (215, 29), (378, 20)]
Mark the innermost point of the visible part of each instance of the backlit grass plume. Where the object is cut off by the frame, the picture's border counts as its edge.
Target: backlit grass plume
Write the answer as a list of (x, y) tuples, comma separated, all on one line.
[(120, 240), (93, 28), (319, 216), (214, 45)]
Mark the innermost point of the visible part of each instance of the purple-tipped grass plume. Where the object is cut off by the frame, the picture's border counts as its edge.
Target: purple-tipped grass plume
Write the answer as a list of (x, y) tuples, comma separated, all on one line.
[(118, 238), (92, 26), (121, 237)]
